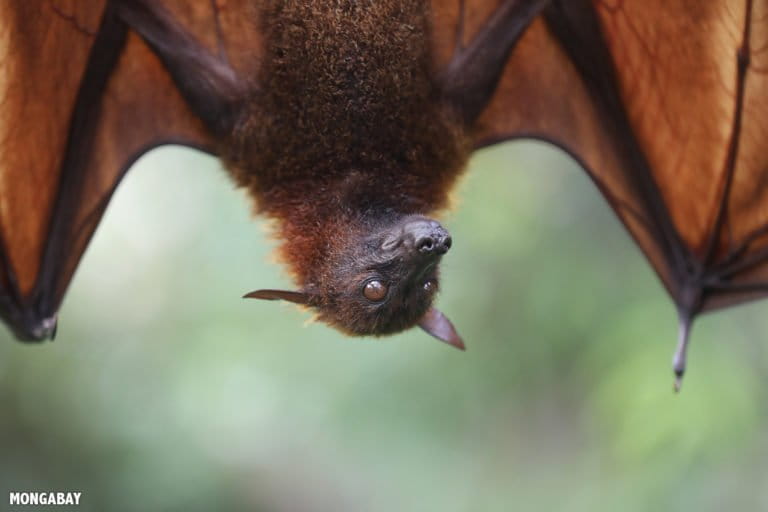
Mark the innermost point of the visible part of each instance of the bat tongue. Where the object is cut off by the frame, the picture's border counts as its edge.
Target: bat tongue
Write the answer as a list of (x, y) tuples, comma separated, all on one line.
[(681, 353)]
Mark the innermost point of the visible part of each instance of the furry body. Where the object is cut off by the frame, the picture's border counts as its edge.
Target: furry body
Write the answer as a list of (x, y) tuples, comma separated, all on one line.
[(347, 129)]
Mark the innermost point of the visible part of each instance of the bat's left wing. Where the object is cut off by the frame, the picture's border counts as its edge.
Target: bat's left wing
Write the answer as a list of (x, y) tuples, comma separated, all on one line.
[(663, 102), (82, 96)]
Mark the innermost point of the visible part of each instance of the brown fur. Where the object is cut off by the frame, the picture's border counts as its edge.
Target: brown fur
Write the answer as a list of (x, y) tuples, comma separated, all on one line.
[(346, 126)]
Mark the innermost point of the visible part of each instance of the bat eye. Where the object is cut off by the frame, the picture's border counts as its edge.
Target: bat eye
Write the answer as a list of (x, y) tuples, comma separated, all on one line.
[(375, 291), (430, 286)]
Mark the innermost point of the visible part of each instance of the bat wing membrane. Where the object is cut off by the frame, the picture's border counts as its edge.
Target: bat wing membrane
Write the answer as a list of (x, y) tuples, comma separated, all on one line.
[(81, 98), (664, 105)]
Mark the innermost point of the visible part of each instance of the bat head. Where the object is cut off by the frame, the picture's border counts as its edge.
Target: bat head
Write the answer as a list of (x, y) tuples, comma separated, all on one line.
[(381, 282)]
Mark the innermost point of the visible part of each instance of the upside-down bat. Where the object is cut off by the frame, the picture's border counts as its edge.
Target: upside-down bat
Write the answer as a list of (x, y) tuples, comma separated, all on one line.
[(348, 121)]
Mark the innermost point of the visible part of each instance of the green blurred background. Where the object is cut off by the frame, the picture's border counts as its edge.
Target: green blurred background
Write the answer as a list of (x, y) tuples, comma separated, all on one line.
[(165, 391)]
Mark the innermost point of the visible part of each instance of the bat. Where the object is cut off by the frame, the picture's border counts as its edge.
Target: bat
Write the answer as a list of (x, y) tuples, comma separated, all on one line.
[(349, 122)]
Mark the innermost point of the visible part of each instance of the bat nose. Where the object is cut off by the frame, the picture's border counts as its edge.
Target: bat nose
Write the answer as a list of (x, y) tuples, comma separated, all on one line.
[(428, 236), (434, 243)]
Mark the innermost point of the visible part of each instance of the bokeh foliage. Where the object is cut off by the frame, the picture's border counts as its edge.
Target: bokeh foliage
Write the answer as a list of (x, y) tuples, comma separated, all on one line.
[(165, 391)]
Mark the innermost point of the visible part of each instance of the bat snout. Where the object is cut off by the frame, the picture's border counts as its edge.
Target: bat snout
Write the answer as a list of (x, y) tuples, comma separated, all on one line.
[(433, 243), (427, 237)]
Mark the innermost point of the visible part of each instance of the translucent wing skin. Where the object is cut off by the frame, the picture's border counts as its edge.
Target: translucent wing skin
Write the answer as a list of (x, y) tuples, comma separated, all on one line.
[(81, 98), (662, 101), (664, 104)]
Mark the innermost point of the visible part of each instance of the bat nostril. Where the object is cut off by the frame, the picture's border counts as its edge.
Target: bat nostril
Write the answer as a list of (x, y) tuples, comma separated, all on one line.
[(425, 244), (443, 246)]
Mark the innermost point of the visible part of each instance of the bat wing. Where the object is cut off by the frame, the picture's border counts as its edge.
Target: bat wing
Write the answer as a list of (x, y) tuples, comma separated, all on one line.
[(664, 104), (81, 98)]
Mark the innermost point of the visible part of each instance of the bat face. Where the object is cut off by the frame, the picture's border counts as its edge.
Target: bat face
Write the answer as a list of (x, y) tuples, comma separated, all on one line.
[(385, 283), (379, 280)]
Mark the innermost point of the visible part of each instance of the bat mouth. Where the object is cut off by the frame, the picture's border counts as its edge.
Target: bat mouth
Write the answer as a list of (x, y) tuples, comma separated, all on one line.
[(424, 270)]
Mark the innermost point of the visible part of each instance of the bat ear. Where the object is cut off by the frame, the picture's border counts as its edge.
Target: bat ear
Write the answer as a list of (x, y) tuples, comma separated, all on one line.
[(295, 297), (438, 325)]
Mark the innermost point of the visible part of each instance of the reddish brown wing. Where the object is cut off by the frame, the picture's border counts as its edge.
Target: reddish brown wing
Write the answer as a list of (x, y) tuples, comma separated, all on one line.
[(80, 101), (655, 102)]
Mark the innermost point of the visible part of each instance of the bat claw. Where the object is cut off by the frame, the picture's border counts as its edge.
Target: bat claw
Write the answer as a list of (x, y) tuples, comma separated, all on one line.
[(681, 353), (41, 330), (678, 382)]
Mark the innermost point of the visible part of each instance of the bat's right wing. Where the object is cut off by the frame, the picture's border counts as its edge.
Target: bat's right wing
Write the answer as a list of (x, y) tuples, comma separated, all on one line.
[(82, 96), (665, 105)]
